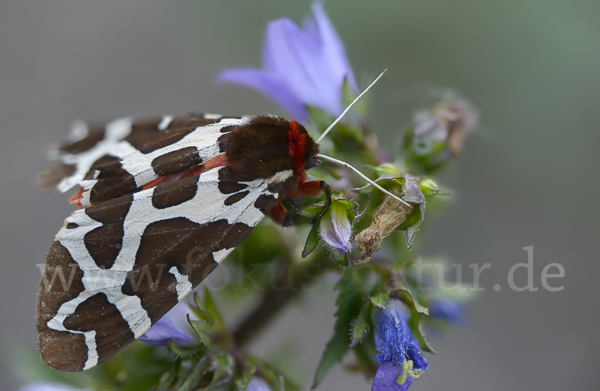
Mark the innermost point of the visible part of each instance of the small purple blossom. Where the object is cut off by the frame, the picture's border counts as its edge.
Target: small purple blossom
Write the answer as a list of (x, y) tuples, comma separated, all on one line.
[(257, 384), (386, 378), (47, 386), (335, 228), (399, 353), (447, 309), (300, 67), (174, 326)]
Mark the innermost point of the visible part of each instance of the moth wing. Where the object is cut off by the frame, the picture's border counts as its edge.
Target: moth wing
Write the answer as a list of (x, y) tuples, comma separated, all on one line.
[(132, 258), (110, 160)]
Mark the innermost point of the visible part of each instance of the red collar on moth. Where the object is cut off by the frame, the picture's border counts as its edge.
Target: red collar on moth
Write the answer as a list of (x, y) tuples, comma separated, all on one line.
[(296, 146)]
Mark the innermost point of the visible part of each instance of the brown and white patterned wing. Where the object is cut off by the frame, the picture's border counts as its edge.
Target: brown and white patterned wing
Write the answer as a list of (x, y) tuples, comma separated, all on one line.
[(128, 260), (117, 158)]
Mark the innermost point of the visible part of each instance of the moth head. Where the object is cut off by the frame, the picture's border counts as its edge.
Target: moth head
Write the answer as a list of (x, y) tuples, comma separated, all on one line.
[(302, 148)]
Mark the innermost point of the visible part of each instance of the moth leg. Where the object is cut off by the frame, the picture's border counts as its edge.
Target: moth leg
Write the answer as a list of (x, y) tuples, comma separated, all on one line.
[(311, 188), (280, 215)]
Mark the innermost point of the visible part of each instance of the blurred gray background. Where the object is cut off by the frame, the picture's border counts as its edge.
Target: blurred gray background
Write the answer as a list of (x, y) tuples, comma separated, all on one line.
[(529, 176)]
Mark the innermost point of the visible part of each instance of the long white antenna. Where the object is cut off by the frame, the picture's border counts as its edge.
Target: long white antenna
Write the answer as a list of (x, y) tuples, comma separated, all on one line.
[(332, 160), (350, 106)]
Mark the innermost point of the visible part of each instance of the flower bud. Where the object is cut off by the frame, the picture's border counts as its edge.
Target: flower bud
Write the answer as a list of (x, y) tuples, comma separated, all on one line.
[(428, 187), (257, 384), (335, 228), (436, 133)]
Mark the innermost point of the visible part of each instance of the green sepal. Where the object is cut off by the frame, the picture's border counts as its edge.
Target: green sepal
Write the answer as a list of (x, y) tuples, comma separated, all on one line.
[(273, 377), (429, 188), (190, 374), (222, 368), (417, 330), (241, 382), (312, 240), (204, 331), (386, 169), (185, 351), (407, 297), (211, 307), (379, 298), (200, 311), (349, 205), (413, 195), (312, 210), (349, 304), (386, 181), (417, 310)]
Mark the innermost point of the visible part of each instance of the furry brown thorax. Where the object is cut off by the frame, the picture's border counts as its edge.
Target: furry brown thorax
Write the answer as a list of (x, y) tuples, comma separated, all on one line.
[(268, 145)]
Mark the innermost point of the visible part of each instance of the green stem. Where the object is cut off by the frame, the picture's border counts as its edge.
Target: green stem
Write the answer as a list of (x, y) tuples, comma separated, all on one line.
[(286, 288)]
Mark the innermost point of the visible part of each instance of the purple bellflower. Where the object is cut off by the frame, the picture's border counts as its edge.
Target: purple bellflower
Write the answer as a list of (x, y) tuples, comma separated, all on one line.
[(300, 67), (174, 326), (447, 309), (399, 358), (47, 386)]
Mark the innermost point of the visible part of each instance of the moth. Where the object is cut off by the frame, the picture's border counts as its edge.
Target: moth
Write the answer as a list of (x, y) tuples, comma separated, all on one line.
[(162, 202)]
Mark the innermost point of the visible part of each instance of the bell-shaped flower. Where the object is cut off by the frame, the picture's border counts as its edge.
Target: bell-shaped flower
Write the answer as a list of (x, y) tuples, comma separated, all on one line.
[(173, 326), (300, 67), (399, 355), (335, 228), (447, 309)]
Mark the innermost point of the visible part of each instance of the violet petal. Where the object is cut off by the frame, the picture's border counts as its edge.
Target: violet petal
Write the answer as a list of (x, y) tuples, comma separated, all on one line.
[(173, 326), (386, 379)]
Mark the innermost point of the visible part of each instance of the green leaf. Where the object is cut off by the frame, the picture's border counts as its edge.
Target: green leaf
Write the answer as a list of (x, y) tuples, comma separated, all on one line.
[(361, 325), (365, 354), (349, 304)]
